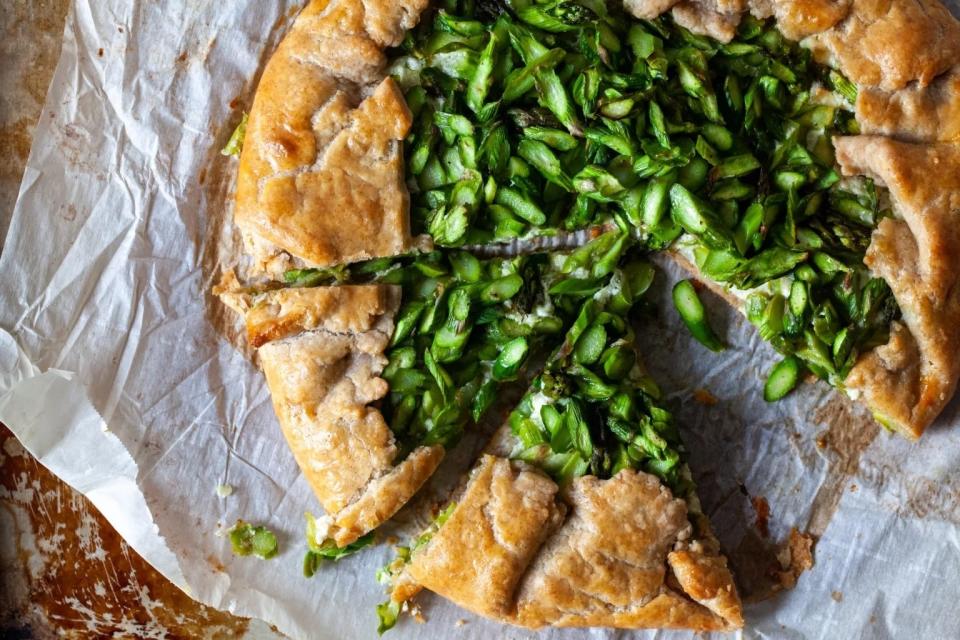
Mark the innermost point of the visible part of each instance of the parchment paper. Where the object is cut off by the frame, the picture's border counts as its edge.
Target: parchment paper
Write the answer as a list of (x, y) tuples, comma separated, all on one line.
[(117, 373)]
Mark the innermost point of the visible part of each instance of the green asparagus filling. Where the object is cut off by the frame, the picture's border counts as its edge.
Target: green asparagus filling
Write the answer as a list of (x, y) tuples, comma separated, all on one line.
[(320, 550), (468, 325), (538, 117), (593, 410), (694, 315)]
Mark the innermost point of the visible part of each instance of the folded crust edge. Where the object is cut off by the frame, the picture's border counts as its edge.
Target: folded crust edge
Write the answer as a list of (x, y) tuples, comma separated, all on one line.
[(622, 553)]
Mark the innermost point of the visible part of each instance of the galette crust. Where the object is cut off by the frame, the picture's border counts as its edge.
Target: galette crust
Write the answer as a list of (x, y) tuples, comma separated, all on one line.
[(911, 379), (383, 497), (610, 555), (288, 312), (798, 19), (891, 43), (704, 576), (322, 351), (708, 17), (889, 378), (719, 19), (321, 177), (480, 554), (609, 563), (648, 9), (715, 18), (321, 384), (914, 113)]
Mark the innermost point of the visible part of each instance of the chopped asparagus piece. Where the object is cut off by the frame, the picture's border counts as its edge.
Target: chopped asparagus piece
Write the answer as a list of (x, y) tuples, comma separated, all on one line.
[(783, 379), (691, 311)]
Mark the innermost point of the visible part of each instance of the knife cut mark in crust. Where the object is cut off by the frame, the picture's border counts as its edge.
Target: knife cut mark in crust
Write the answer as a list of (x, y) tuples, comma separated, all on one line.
[(322, 350)]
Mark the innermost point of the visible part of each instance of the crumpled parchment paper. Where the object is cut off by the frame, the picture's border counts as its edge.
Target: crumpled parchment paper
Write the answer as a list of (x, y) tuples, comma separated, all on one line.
[(119, 372)]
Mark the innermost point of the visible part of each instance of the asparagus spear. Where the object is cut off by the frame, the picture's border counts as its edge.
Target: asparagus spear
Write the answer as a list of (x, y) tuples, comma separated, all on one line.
[(694, 316)]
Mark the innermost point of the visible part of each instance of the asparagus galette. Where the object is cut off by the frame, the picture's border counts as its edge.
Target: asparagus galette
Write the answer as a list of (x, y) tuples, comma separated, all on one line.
[(434, 199)]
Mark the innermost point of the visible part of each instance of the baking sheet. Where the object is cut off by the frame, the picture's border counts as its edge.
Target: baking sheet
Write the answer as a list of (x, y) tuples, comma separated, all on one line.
[(118, 372)]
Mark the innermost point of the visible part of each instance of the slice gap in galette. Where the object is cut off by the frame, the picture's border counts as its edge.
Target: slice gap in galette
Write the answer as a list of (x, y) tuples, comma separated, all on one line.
[(583, 512)]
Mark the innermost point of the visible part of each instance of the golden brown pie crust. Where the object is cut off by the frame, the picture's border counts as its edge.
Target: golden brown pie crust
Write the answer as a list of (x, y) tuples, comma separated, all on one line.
[(623, 556), (483, 550), (908, 381), (321, 349), (914, 113), (321, 179), (891, 43)]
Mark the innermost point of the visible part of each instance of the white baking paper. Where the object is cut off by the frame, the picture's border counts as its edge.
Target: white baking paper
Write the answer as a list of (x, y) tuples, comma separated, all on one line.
[(114, 376)]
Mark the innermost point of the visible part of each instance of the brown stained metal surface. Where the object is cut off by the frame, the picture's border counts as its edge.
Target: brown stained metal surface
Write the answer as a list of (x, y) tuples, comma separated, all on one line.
[(64, 571), (67, 573)]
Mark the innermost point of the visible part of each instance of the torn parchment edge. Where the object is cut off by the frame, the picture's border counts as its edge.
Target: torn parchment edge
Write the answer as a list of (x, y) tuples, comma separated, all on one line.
[(61, 430)]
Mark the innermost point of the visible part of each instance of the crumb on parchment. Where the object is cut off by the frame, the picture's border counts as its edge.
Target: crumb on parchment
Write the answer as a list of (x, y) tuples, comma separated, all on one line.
[(704, 397), (415, 612), (795, 557), (762, 510)]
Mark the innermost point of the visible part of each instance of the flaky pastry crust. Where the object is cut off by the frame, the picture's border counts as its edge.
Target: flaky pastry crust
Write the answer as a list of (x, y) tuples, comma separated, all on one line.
[(321, 350), (481, 553), (914, 113), (798, 19), (891, 43), (288, 312), (908, 381), (715, 18), (507, 553), (321, 178)]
